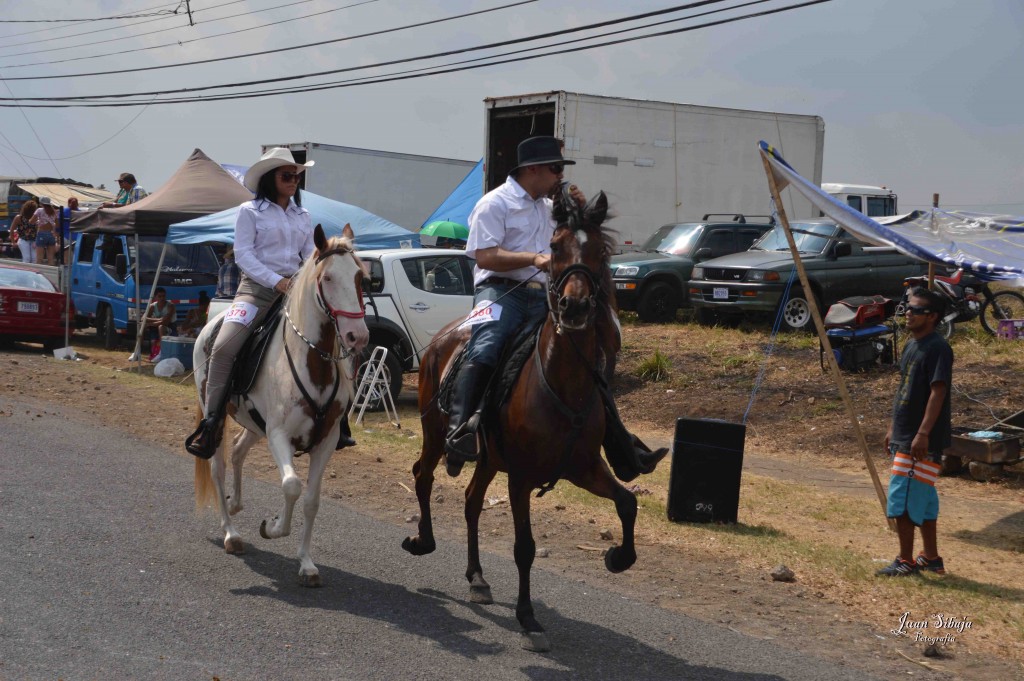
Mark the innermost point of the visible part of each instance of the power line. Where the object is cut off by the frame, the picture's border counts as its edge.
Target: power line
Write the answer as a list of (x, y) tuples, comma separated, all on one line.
[(33, 129), (440, 71), (110, 18), (51, 29), (105, 30), (182, 43)]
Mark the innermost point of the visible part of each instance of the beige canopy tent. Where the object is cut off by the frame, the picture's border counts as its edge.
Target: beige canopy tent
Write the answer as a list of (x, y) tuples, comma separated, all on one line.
[(199, 187), (60, 193)]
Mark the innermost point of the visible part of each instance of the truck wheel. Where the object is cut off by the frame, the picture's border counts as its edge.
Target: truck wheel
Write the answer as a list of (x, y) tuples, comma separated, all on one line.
[(390, 375), (108, 331), (796, 315), (658, 303)]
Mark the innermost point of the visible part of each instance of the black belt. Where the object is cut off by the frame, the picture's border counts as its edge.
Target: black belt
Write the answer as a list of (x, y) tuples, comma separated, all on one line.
[(505, 281)]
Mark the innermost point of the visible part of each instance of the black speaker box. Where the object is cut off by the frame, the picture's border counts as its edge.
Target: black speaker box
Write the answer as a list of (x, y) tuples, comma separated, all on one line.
[(707, 460)]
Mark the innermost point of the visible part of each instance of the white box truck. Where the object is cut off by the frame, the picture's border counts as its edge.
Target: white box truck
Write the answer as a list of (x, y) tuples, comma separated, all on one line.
[(660, 163), (402, 188)]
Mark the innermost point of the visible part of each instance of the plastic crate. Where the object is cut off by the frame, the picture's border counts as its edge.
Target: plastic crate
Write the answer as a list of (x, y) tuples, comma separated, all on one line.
[(1011, 329)]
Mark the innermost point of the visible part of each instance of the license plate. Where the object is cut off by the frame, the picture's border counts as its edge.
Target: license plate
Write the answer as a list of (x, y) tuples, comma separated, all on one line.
[(721, 293), (24, 306)]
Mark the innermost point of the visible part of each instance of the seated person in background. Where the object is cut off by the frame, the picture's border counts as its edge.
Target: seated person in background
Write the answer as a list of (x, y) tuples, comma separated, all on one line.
[(160, 316), (228, 276), (196, 318)]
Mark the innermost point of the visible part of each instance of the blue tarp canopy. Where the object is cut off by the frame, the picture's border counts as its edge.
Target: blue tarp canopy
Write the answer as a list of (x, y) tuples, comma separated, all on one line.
[(372, 231), (459, 204), (990, 246)]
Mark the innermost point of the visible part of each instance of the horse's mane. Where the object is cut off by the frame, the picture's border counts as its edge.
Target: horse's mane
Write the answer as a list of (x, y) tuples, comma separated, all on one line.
[(304, 283)]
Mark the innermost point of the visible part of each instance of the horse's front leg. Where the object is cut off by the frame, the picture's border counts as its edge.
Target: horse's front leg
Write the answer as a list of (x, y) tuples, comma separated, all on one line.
[(423, 473), (533, 637), (282, 450), (309, 575), (479, 589), (243, 442), (599, 480)]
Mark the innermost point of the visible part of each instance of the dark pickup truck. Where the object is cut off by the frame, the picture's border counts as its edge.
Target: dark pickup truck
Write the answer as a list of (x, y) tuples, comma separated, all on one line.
[(653, 280), (838, 266)]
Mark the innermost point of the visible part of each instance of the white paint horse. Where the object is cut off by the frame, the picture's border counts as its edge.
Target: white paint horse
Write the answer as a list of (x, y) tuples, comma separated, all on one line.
[(303, 388)]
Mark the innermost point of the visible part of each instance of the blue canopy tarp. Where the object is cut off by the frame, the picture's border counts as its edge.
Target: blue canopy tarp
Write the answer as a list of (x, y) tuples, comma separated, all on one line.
[(372, 231), (988, 245), (459, 204)]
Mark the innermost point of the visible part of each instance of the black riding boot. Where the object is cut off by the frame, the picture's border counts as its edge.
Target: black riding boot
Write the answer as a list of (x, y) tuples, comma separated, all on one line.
[(345, 437), (460, 444), (206, 438), (627, 454)]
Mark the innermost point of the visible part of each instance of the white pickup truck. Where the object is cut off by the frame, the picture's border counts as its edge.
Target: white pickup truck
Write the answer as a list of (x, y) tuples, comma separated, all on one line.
[(413, 293)]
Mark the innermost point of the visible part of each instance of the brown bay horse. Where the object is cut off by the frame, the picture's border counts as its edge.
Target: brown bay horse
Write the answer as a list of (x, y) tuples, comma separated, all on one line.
[(552, 424)]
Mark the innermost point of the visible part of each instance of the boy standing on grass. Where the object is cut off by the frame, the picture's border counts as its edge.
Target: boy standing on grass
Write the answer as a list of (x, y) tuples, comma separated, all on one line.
[(920, 431)]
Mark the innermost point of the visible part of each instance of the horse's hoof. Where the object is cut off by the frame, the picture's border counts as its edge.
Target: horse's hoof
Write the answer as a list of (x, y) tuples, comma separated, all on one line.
[(310, 581), (453, 467), (617, 560), (535, 641), (480, 594), (263, 530), (417, 546), (234, 546)]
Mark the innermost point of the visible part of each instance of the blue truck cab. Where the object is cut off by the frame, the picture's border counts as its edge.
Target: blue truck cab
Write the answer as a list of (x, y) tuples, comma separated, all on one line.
[(103, 276)]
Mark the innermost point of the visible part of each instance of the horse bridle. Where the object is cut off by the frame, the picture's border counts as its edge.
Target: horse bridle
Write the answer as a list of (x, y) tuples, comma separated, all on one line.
[(330, 311), (555, 296)]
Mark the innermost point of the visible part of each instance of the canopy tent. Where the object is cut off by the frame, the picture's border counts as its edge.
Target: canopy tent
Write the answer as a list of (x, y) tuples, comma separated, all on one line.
[(990, 246), (60, 193), (372, 231), (459, 204), (199, 187)]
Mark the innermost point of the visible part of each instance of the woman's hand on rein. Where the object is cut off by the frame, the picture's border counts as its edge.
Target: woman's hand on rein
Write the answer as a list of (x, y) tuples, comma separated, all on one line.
[(282, 285)]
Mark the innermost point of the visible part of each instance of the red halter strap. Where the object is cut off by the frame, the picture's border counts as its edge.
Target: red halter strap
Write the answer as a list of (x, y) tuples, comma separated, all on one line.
[(331, 312)]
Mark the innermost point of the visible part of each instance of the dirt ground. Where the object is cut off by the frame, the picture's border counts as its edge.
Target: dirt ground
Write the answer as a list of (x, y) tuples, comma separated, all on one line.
[(806, 500)]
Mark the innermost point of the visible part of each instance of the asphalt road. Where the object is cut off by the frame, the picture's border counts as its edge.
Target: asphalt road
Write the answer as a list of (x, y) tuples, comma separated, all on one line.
[(106, 572)]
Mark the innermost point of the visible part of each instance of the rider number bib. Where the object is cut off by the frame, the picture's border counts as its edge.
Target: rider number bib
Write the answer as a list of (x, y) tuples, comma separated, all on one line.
[(241, 313), (485, 311)]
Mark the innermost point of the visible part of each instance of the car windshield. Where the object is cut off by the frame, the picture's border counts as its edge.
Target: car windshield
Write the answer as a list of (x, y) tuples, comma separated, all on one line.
[(672, 239), (33, 281), (179, 258), (810, 237)]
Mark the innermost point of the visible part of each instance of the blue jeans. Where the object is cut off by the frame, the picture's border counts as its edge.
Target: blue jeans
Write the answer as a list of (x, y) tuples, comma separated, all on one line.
[(520, 307)]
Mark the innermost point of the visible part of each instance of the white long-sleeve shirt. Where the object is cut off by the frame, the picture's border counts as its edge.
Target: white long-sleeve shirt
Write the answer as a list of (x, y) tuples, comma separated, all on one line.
[(271, 243)]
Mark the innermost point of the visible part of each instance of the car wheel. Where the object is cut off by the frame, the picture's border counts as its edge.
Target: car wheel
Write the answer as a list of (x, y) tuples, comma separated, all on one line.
[(108, 331), (658, 303), (390, 376), (51, 344), (796, 313)]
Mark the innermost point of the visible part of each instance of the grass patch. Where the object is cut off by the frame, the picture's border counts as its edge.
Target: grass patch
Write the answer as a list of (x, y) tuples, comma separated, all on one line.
[(654, 368)]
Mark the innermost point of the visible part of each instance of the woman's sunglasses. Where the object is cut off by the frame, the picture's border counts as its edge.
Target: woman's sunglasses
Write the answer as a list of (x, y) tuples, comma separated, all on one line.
[(288, 177)]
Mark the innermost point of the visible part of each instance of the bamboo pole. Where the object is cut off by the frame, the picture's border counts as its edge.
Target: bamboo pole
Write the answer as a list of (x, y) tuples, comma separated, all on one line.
[(823, 338), (931, 265)]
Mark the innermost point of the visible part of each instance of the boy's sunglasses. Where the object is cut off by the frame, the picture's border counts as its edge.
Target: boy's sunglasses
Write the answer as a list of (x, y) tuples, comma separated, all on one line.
[(917, 309), (289, 177)]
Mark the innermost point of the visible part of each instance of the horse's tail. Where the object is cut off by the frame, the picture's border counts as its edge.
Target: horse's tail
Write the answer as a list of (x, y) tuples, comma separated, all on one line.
[(203, 479)]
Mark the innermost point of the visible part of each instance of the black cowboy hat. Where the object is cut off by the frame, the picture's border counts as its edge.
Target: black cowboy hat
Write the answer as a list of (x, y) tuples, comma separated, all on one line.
[(535, 151)]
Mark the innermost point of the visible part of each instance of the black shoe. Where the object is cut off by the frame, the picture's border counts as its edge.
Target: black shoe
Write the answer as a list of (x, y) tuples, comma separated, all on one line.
[(460, 443), (345, 436), (206, 438)]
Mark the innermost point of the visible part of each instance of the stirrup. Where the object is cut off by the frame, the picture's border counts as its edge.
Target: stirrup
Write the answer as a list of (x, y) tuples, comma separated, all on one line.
[(203, 441)]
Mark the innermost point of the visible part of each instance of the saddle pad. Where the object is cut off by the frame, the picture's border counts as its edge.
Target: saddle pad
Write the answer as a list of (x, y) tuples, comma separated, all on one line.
[(250, 357)]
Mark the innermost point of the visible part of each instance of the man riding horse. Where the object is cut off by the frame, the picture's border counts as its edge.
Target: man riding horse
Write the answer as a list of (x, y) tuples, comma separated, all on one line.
[(510, 231)]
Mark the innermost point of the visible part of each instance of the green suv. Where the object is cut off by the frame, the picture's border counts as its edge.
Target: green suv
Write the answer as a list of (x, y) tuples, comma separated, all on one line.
[(838, 266), (653, 280)]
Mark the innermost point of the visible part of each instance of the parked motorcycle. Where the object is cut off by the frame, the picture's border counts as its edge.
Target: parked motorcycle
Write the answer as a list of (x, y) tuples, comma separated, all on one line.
[(967, 298)]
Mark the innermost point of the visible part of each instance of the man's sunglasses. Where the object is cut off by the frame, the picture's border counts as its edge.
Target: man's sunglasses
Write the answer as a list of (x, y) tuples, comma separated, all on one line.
[(918, 309), (289, 177), (556, 168)]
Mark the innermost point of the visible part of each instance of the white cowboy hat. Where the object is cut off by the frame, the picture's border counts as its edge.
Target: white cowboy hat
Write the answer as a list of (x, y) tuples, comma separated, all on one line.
[(274, 158)]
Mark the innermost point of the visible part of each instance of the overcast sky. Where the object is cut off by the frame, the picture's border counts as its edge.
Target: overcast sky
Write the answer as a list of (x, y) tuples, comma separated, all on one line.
[(922, 96)]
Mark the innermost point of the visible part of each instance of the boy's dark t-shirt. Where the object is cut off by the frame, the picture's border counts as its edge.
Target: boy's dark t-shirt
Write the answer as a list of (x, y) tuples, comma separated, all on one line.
[(924, 362)]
